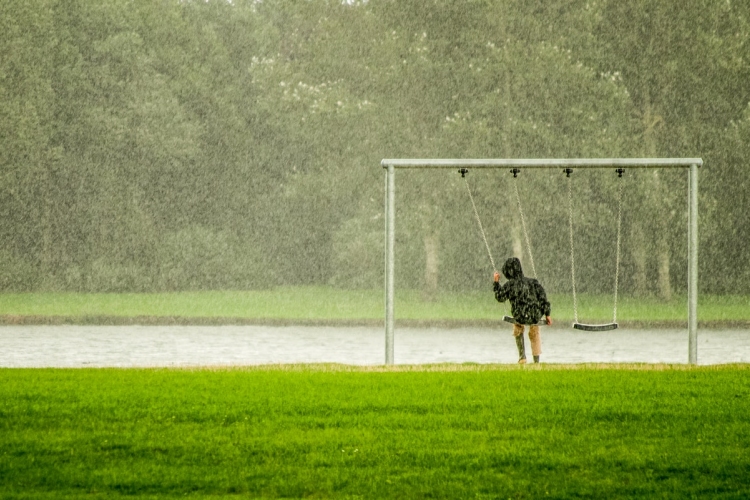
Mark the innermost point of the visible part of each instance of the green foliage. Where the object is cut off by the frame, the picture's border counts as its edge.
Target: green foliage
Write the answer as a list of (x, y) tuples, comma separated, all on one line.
[(16, 274), (201, 259), (125, 124), (358, 253), (106, 277), (448, 431), (729, 190)]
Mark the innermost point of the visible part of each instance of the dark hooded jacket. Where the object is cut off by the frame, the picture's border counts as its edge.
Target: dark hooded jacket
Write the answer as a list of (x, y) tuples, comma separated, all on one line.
[(528, 300)]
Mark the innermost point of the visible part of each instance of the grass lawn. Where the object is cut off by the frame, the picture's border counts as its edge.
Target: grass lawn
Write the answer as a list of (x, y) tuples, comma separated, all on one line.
[(331, 304), (449, 431)]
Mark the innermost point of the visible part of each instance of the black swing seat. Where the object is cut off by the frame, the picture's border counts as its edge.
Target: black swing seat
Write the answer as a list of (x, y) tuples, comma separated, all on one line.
[(510, 319), (595, 328)]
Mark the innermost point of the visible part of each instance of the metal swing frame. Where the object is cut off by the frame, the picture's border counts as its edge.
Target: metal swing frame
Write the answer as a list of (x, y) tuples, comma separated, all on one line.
[(391, 165)]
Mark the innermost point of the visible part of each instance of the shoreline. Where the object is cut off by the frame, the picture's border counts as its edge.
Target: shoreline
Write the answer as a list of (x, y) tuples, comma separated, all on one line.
[(108, 320)]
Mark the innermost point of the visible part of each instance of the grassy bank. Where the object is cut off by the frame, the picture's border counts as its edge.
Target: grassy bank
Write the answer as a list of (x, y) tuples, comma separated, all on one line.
[(454, 431), (329, 304)]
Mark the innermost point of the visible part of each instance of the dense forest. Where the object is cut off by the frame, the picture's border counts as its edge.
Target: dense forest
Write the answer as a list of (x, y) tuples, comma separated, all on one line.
[(182, 145)]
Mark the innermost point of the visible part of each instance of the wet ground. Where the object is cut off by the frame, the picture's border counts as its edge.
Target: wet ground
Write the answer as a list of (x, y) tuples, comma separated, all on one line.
[(137, 346)]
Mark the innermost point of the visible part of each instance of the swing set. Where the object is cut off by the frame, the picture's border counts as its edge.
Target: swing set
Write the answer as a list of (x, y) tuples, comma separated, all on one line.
[(576, 324), (568, 165)]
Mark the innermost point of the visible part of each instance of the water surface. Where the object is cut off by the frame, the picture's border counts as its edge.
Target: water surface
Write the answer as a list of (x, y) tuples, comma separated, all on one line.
[(138, 346)]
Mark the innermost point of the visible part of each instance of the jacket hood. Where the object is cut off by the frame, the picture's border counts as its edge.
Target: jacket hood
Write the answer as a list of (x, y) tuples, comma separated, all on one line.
[(512, 269)]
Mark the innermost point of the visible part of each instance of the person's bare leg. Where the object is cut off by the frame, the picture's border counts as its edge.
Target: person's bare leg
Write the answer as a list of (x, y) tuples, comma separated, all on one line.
[(536, 342)]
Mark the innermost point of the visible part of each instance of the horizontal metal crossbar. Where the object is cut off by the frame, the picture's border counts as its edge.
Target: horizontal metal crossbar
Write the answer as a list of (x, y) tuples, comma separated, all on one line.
[(545, 163)]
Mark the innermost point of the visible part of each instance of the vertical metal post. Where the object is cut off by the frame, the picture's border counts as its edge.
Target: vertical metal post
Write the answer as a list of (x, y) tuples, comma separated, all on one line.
[(390, 237), (693, 266)]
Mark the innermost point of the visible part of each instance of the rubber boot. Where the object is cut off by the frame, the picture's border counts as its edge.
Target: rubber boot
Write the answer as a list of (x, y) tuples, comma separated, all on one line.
[(536, 359), (521, 349)]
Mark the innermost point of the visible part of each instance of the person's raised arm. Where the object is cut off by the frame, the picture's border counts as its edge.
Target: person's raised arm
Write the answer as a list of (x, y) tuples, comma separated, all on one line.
[(501, 292)]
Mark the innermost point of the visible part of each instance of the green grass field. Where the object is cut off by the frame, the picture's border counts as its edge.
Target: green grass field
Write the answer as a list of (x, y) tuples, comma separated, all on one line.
[(336, 305), (450, 431)]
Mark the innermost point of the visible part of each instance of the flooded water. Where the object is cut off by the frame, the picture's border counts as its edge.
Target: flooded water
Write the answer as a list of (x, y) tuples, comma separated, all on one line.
[(142, 346)]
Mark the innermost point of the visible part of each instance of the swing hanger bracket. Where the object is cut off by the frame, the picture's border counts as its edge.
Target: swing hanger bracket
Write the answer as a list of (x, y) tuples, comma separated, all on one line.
[(515, 172), (568, 171), (463, 172), (620, 171)]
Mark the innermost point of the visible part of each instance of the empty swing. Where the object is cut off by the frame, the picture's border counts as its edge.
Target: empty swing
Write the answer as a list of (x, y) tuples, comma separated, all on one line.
[(582, 326), (515, 172)]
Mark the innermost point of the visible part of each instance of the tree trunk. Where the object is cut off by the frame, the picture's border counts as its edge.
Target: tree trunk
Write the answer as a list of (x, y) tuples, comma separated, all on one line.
[(640, 278), (517, 248), (47, 254), (665, 286), (659, 204), (515, 227), (431, 246)]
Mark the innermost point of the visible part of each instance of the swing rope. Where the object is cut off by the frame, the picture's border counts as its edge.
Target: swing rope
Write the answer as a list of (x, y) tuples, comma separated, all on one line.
[(572, 259), (481, 229), (617, 258), (525, 232)]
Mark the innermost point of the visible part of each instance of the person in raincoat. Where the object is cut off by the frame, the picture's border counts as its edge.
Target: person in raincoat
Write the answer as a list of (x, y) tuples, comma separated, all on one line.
[(528, 303)]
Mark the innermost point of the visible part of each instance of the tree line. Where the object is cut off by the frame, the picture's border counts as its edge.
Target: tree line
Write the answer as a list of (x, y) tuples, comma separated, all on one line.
[(182, 145)]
